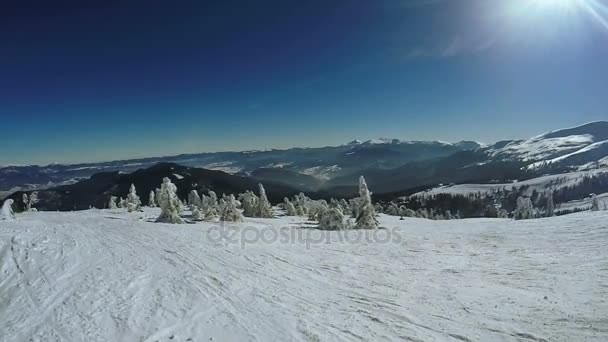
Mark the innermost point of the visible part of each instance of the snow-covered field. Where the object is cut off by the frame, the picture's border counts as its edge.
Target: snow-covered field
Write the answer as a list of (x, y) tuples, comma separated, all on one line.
[(106, 275)]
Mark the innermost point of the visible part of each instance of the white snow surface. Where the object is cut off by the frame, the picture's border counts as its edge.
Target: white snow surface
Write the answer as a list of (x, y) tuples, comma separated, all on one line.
[(108, 275)]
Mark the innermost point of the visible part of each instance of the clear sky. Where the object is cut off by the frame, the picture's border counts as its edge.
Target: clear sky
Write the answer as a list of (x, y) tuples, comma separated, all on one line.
[(103, 80)]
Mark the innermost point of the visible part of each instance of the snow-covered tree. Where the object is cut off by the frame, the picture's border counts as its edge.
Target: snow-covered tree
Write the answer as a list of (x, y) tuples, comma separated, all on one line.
[(550, 211), (229, 211), (333, 219), (194, 200), (289, 208), (169, 203), (120, 203), (264, 206), (595, 206), (447, 215), (249, 202), (7, 212), (366, 216), (133, 201), (524, 209), (151, 199), (112, 203), (30, 201)]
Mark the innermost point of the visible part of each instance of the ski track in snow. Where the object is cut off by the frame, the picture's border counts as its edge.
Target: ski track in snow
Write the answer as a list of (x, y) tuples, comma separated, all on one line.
[(107, 275)]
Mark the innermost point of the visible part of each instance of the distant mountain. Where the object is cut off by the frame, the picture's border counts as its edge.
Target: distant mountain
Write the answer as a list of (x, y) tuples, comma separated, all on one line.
[(96, 191), (391, 166), (323, 163), (575, 148)]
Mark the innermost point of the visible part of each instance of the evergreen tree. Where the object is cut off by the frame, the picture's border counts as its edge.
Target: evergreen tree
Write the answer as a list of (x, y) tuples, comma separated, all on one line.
[(265, 209), (133, 202), (169, 203), (594, 203), (7, 212), (112, 204), (332, 219), (151, 200), (366, 216), (289, 208), (550, 210)]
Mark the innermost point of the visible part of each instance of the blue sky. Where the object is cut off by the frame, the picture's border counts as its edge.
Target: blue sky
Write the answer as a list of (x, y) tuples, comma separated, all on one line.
[(89, 82)]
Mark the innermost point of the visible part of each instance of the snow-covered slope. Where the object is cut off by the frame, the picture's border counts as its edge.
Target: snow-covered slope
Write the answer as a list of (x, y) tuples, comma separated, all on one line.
[(570, 147), (112, 276), (540, 184)]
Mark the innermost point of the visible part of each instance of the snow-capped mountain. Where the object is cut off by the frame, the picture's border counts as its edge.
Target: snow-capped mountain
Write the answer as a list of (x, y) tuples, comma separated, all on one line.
[(323, 163), (574, 147), (391, 165)]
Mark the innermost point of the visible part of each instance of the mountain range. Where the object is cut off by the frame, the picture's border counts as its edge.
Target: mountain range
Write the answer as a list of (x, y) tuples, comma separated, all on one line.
[(392, 167)]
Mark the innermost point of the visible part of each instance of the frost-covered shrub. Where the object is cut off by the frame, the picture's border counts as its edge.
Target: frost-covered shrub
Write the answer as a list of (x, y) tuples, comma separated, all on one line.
[(7, 212), (366, 214), (229, 211), (29, 201), (333, 219), (169, 203), (133, 202)]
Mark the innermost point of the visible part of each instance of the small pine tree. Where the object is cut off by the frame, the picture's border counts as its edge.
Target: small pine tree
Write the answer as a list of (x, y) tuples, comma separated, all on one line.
[(194, 200), (550, 211), (7, 212), (133, 201), (112, 203), (151, 199), (169, 203), (264, 207), (366, 218), (290, 210), (595, 206)]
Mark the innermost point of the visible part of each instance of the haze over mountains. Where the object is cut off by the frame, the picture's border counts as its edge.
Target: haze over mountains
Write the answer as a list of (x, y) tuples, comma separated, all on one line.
[(391, 166)]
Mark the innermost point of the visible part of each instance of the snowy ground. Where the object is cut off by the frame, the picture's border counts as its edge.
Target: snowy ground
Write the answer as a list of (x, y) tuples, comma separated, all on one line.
[(111, 276)]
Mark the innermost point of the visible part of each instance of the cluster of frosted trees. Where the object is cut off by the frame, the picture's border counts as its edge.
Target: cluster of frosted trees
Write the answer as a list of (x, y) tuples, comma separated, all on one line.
[(336, 215), (394, 209), (209, 207)]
